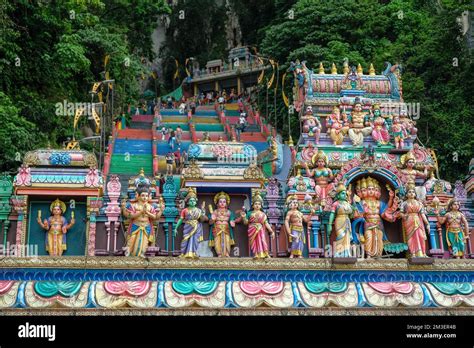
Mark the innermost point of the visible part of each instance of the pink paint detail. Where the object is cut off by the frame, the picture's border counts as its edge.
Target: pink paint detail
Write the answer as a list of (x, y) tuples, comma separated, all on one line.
[(77, 157), (92, 178), (265, 288), (331, 86), (92, 233), (392, 288), (127, 288), (24, 176), (112, 211), (5, 286)]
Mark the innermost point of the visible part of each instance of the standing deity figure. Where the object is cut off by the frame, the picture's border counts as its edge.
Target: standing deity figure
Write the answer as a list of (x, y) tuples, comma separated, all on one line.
[(257, 223), (379, 132), (221, 234), (457, 228), (57, 227), (398, 136), (415, 223), (294, 227), (408, 161), (335, 126), (322, 175), (141, 232), (341, 212), (408, 124), (311, 124), (369, 213), (192, 231), (358, 126)]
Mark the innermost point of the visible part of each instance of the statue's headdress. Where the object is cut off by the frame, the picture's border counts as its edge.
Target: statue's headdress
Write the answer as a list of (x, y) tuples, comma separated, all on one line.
[(257, 197), (340, 187), (320, 155), (408, 156), (58, 203), (192, 193), (220, 195)]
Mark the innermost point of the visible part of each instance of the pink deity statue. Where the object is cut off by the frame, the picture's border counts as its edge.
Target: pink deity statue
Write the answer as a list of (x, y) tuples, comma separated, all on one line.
[(336, 129), (379, 132), (311, 124)]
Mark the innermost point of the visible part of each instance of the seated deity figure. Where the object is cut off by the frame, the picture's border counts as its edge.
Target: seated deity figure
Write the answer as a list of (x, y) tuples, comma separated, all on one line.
[(141, 232), (57, 227), (336, 129), (311, 124), (222, 222), (322, 175), (457, 229), (358, 127), (379, 132), (369, 212)]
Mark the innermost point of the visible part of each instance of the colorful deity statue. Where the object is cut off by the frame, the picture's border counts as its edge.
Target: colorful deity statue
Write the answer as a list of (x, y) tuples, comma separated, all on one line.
[(457, 228), (336, 129), (192, 231), (408, 124), (408, 161), (57, 227), (398, 136), (322, 175), (257, 223), (341, 212), (358, 125), (379, 132), (415, 223), (311, 124), (294, 226), (370, 211), (142, 213), (221, 235)]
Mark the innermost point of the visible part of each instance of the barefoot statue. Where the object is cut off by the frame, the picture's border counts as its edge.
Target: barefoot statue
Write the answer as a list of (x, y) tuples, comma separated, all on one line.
[(335, 126), (415, 223), (457, 229), (221, 234), (379, 132), (257, 223), (398, 136), (370, 211), (141, 233), (57, 227), (294, 227), (322, 175), (311, 124), (408, 161), (192, 231), (359, 127), (341, 212)]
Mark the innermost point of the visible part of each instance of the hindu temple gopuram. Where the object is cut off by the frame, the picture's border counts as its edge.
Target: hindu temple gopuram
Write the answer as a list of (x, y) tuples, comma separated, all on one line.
[(192, 210)]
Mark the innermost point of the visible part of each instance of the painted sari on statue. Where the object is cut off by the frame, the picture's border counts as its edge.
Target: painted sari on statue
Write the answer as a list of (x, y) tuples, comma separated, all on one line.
[(414, 227), (342, 228), (455, 240), (140, 236), (55, 242), (380, 133), (256, 233), (192, 231)]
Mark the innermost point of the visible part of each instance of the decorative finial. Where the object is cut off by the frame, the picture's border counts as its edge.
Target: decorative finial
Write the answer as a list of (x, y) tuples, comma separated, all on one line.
[(290, 141), (371, 70), (346, 68), (333, 69), (321, 69), (142, 172), (359, 70)]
